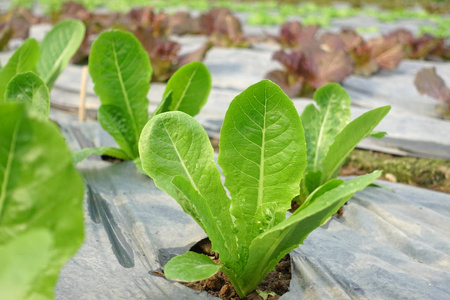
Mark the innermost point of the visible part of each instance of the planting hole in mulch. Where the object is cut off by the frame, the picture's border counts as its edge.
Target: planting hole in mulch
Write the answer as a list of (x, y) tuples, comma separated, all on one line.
[(272, 287)]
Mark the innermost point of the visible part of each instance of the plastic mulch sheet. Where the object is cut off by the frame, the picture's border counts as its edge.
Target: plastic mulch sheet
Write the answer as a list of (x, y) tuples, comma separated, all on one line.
[(389, 244)]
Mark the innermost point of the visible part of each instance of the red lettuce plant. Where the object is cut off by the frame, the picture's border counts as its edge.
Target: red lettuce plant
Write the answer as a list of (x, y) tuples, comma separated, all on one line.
[(221, 26), (309, 69), (428, 82), (368, 57), (426, 47), (314, 61), (293, 34), (163, 54), (152, 30), (309, 65), (16, 24)]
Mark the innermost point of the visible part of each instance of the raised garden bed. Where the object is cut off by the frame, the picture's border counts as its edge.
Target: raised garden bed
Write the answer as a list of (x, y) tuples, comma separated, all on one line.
[(388, 241)]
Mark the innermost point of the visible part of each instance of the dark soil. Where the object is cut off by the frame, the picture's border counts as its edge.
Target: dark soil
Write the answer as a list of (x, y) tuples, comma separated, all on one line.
[(275, 284)]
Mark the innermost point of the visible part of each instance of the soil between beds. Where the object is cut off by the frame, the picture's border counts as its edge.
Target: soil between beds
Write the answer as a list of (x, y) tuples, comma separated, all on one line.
[(275, 284)]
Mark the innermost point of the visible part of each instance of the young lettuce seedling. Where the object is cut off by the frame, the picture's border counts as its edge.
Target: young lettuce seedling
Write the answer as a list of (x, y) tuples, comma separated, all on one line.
[(29, 88), (330, 136), (47, 60), (121, 71), (262, 155), (41, 212)]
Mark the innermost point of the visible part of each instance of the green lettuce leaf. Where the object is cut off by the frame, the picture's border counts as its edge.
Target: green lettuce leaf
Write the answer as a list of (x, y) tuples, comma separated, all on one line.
[(28, 87), (23, 60), (121, 71), (190, 267), (349, 138), (39, 190), (269, 247), (23, 259), (57, 48), (190, 87), (261, 145), (323, 124), (176, 152), (263, 157), (164, 104)]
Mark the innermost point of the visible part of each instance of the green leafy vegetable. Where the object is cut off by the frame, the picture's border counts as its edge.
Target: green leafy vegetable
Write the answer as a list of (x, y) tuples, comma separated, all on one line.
[(57, 48), (349, 138), (22, 260), (329, 135), (262, 155), (48, 61), (41, 197), (323, 124), (262, 144), (121, 71), (182, 265), (28, 87), (189, 87), (24, 59)]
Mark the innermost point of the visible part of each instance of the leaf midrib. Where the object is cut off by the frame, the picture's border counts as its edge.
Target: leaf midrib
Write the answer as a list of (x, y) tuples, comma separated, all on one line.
[(125, 95), (8, 165), (261, 168), (225, 241), (191, 180), (320, 137)]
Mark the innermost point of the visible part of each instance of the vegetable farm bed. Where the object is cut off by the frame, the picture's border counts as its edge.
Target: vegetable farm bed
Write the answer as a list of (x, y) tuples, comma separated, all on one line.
[(153, 166)]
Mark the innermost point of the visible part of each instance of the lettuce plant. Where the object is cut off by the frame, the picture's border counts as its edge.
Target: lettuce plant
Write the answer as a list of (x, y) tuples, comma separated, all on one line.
[(29, 88), (309, 67), (16, 23), (47, 60), (121, 71), (425, 47), (41, 212), (293, 34), (428, 82), (330, 136), (368, 57), (151, 28), (220, 24), (262, 155)]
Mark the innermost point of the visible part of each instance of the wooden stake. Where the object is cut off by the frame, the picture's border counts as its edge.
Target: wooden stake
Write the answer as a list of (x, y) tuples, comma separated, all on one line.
[(82, 106)]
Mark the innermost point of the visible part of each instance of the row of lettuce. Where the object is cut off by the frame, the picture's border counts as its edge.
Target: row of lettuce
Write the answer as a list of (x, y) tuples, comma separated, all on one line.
[(261, 12), (268, 153), (305, 53)]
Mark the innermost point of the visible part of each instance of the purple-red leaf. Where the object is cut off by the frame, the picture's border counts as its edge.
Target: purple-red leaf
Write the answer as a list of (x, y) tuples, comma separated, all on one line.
[(181, 23), (387, 52), (223, 28), (290, 84), (325, 67), (196, 55), (429, 83), (293, 34), (6, 33)]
